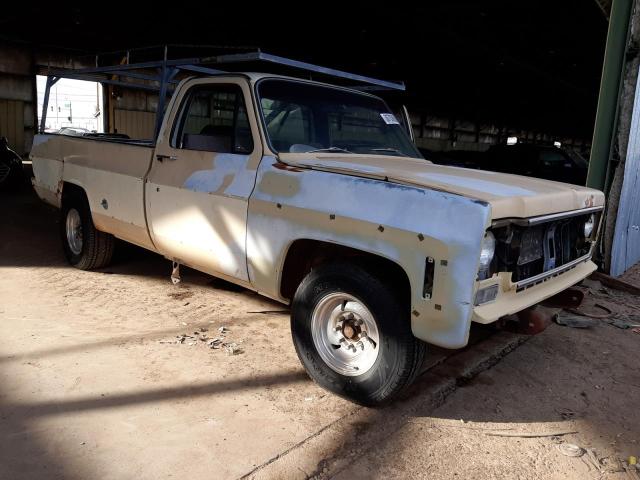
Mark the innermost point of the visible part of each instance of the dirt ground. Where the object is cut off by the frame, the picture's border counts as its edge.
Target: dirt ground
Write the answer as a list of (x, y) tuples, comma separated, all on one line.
[(94, 383)]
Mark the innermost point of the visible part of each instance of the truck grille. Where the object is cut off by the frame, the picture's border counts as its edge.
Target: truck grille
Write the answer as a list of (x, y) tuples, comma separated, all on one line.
[(530, 250)]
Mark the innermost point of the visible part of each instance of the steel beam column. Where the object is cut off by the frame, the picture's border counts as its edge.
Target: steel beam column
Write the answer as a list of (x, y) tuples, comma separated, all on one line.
[(606, 116), (51, 81)]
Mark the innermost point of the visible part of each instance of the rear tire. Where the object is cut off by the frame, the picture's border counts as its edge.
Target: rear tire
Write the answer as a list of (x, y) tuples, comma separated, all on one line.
[(84, 246), (331, 309)]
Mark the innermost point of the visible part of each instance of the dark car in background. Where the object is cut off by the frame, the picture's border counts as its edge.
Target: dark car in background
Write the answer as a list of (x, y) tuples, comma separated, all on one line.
[(541, 161), (11, 172), (454, 158)]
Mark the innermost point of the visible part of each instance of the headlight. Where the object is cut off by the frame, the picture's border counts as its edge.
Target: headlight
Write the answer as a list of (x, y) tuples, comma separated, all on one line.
[(589, 225), (486, 255)]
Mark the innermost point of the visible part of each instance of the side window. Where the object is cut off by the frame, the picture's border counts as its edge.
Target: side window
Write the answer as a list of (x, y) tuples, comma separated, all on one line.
[(214, 119)]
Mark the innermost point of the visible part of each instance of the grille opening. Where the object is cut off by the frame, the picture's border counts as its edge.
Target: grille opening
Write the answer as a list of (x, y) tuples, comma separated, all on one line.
[(527, 251)]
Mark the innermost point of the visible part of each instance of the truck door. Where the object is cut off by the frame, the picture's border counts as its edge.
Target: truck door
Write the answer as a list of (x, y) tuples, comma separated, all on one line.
[(203, 172)]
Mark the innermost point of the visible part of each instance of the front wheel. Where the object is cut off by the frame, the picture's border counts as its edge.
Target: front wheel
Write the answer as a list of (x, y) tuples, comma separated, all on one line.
[(84, 246), (352, 334)]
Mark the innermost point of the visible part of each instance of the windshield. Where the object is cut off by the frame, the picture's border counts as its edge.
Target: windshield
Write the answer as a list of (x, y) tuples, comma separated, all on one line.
[(301, 117)]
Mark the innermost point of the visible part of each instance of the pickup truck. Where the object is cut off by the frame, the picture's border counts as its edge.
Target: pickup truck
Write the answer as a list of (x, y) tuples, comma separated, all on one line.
[(314, 195)]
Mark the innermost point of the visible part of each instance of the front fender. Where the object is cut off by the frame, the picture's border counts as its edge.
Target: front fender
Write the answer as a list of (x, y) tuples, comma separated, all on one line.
[(401, 223)]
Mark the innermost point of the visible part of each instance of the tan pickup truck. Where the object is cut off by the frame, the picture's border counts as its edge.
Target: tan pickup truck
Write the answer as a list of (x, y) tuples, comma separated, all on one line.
[(314, 195)]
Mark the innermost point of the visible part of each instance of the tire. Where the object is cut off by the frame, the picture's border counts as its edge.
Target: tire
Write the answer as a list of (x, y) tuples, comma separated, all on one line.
[(95, 248), (317, 307)]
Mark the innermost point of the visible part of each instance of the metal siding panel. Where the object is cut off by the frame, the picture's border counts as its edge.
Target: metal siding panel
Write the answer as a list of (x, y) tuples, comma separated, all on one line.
[(19, 123), (625, 251), (11, 130), (149, 123), (3, 118), (136, 124), (12, 123), (633, 228), (7, 123)]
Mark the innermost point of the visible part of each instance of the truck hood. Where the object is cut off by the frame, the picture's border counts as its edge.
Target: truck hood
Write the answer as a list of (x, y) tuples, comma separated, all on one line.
[(508, 195)]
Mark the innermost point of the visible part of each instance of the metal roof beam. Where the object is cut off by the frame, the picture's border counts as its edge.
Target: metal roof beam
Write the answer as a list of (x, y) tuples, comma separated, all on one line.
[(127, 67), (309, 67)]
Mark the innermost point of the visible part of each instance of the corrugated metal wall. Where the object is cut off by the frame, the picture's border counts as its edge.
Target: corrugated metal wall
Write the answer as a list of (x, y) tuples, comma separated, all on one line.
[(12, 123), (625, 251), (136, 124)]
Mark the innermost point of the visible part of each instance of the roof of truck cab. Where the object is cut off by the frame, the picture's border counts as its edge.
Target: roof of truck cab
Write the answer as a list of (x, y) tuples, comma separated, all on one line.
[(254, 77)]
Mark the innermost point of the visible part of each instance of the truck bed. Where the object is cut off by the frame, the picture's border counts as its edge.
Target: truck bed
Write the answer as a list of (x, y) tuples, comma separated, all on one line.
[(111, 171)]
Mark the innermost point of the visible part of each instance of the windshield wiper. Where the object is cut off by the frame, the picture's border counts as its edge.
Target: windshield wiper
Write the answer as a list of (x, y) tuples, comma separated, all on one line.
[(390, 150), (330, 149)]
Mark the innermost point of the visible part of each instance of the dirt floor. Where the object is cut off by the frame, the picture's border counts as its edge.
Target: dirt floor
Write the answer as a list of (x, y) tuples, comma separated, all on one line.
[(103, 375)]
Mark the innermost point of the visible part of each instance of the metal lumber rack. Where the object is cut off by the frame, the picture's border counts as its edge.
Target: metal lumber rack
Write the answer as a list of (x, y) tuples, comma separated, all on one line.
[(164, 80)]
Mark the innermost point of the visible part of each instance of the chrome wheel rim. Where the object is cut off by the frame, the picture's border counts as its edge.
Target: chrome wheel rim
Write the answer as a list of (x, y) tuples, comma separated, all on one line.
[(345, 334), (74, 231)]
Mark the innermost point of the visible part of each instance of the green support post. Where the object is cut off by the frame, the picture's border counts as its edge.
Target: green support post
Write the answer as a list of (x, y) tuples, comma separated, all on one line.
[(606, 116)]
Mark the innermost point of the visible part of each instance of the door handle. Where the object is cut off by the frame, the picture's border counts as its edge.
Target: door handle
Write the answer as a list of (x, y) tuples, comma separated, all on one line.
[(161, 158)]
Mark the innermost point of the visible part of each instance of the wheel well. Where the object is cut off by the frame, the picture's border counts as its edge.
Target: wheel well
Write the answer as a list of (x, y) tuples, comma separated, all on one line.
[(72, 191), (304, 255)]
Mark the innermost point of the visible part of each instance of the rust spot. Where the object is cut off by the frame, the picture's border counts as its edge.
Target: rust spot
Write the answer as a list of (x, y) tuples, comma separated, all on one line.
[(284, 166), (444, 263), (416, 313), (437, 306)]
